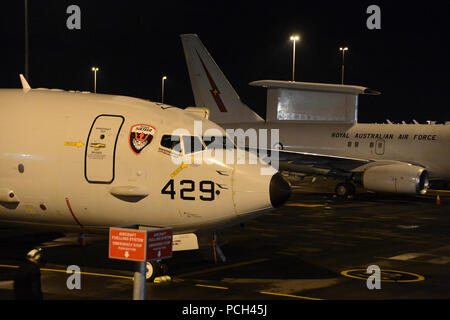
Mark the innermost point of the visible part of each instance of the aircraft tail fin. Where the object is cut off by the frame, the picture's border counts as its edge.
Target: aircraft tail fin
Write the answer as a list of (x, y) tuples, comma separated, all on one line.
[(210, 86)]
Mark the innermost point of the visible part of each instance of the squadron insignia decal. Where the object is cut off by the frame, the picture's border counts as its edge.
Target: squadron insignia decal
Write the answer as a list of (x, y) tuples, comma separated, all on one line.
[(141, 135)]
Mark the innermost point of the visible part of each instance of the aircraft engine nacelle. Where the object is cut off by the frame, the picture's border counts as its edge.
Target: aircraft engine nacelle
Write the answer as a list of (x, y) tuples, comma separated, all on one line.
[(396, 178)]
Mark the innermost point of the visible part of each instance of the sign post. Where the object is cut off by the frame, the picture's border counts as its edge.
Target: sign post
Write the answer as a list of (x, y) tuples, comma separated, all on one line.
[(139, 281), (140, 246)]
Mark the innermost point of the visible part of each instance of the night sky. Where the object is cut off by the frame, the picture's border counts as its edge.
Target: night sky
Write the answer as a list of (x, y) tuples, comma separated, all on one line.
[(135, 43)]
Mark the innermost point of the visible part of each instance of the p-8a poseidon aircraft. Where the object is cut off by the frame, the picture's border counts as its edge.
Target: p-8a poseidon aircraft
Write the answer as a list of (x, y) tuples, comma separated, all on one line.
[(92, 161)]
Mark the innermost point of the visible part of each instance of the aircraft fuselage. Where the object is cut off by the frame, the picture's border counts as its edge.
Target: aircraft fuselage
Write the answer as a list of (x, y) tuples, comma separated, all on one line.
[(94, 161), (423, 145)]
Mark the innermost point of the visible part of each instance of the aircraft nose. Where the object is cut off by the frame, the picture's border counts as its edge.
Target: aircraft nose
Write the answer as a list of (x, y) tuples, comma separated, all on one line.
[(279, 190), (255, 191)]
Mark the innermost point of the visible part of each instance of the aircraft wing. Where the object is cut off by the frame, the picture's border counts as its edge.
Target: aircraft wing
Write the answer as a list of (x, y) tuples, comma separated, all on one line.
[(318, 164)]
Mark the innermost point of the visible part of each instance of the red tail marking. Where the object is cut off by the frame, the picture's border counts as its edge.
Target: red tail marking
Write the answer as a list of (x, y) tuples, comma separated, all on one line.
[(214, 91)]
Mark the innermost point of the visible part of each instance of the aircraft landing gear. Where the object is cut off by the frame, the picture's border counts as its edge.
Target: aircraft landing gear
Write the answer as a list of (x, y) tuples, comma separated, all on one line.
[(217, 251), (150, 269), (209, 248), (157, 271), (344, 189)]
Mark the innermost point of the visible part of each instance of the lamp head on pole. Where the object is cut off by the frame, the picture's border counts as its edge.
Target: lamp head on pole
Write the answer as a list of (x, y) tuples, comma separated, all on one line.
[(343, 49), (94, 69), (295, 38), (164, 78)]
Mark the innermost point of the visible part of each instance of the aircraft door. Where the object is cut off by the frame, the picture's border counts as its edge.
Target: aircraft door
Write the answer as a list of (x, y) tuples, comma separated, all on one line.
[(101, 148), (379, 147)]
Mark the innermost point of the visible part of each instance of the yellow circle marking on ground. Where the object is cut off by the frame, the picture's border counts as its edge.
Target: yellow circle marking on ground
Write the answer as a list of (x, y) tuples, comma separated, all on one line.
[(418, 277)]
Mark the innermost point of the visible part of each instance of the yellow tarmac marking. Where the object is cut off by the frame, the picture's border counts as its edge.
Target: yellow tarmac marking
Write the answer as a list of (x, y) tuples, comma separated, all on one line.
[(418, 276), (178, 170), (304, 205), (90, 274), (444, 191), (221, 268), (7, 266), (82, 272), (288, 295), (209, 286)]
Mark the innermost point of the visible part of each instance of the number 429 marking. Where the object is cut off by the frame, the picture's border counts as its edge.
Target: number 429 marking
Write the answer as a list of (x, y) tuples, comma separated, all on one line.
[(206, 187)]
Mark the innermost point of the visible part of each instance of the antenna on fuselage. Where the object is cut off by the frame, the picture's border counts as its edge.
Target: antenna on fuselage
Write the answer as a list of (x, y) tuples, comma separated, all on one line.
[(25, 86)]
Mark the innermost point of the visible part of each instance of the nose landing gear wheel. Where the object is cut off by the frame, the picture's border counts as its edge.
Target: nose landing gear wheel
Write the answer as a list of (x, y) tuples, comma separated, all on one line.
[(156, 269), (150, 271)]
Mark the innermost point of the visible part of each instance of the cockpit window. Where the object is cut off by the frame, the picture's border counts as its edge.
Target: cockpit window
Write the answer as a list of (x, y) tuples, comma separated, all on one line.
[(171, 142), (192, 144), (218, 142)]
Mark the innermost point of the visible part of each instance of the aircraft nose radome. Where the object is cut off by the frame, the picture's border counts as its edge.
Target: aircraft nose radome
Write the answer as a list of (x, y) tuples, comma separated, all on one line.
[(279, 190)]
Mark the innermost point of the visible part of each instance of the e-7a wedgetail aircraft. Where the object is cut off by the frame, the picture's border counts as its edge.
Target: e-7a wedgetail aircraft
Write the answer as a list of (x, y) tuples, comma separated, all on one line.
[(92, 161), (319, 134)]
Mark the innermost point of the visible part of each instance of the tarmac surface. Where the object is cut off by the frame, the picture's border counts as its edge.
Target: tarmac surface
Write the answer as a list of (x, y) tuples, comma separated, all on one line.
[(316, 246)]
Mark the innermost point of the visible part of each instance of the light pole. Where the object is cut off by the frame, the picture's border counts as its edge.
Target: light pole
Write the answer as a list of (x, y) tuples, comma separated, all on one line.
[(162, 88), (294, 38), (95, 69), (26, 41), (343, 49)]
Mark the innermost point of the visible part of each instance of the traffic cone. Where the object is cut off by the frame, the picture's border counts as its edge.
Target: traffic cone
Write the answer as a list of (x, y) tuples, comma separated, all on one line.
[(438, 200)]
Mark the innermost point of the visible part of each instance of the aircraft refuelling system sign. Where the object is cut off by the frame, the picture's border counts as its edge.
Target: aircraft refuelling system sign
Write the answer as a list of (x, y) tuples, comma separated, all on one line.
[(140, 245)]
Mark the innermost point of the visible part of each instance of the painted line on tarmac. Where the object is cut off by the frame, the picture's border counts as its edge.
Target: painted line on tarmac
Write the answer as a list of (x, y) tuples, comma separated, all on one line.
[(82, 272), (304, 205), (222, 268), (209, 286), (8, 266), (289, 295), (444, 191), (90, 274)]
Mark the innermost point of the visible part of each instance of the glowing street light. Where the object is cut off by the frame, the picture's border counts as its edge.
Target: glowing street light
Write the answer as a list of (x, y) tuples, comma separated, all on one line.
[(294, 38), (343, 49), (95, 69), (162, 88)]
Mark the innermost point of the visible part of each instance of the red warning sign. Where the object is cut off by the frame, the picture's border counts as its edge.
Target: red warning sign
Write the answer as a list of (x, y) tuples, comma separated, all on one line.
[(159, 244), (140, 245), (127, 244)]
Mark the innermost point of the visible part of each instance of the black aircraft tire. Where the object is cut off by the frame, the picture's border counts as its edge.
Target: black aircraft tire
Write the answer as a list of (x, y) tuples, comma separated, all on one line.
[(344, 190), (150, 270)]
